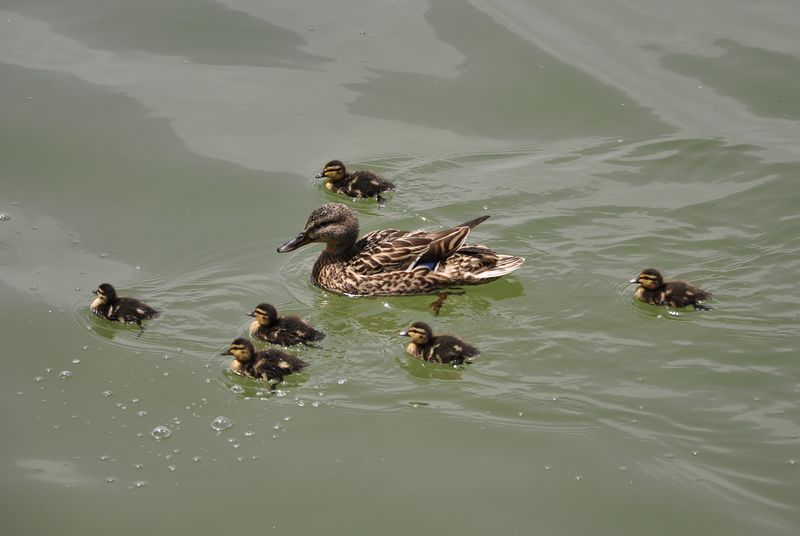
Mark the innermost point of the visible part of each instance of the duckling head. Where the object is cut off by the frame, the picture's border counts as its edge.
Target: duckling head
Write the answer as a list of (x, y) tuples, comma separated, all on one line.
[(241, 349), (649, 278), (105, 293), (332, 223), (265, 314), (333, 171), (418, 332)]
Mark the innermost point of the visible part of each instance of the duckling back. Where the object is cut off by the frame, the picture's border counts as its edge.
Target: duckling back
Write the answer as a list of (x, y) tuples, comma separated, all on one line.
[(272, 365)]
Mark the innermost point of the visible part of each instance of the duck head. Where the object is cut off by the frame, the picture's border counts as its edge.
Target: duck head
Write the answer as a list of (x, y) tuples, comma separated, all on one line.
[(333, 171), (265, 314), (333, 224), (418, 332), (649, 278)]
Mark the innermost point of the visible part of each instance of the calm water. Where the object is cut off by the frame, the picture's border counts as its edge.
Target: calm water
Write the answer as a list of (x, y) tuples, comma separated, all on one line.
[(168, 148)]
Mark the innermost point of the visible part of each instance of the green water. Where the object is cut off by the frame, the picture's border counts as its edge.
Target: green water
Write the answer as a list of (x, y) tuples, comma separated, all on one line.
[(168, 148)]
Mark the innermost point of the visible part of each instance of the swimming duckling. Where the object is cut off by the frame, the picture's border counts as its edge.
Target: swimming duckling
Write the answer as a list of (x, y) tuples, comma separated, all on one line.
[(270, 365), (390, 262), (120, 309), (283, 330), (654, 290), (437, 348), (354, 183)]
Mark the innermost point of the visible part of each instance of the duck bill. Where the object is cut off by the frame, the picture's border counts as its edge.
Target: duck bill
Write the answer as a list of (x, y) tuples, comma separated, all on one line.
[(404, 333), (252, 315), (633, 281), (226, 352), (319, 175), (296, 242)]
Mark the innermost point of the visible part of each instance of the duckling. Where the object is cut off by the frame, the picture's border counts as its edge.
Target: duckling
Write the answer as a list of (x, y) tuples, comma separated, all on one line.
[(437, 348), (269, 365), (283, 330), (355, 183), (119, 308), (390, 262), (654, 290)]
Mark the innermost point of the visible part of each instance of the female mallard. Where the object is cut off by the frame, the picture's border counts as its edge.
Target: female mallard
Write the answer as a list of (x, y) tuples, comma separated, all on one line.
[(270, 365), (283, 330), (437, 348), (119, 308), (354, 183), (654, 290), (391, 262)]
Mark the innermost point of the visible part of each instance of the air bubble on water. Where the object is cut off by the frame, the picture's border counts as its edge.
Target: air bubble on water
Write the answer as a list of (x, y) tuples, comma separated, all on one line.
[(300, 403), (238, 389), (65, 374), (161, 432), (546, 467), (623, 468), (280, 393), (287, 418), (578, 477), (105, 458), (38, 379), (141, 413), (197, 459), (171, 468), (138, 466), (669, 455), (108, 394), (221, 423), (207, 380), (792, 461), (76, 361), (315, 403), (139, 484), (110, 479), (341, 381), (249, 433)]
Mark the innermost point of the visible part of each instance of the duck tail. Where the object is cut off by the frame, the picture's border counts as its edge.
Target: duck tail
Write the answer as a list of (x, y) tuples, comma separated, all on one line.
[(505, 265), (474, 223)]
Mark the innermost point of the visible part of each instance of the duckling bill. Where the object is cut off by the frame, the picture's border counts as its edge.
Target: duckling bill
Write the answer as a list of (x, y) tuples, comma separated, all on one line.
[(437, 348), (268, 365), (653, 289), (283, 330), (120, 308), (358, 184), (391, 262)]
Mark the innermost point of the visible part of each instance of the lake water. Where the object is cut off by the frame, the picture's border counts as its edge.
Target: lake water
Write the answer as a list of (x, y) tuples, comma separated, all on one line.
[(167, 147)]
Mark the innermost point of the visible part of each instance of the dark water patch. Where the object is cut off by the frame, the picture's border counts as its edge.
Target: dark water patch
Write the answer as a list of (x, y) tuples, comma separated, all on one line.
[(522, 95), (200, 31), (766, 81)]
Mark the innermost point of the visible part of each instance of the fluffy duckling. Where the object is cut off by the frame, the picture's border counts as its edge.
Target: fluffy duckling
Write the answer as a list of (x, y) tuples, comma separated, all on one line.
[(268, 365), (119, 308), (437, 348), (391, 262), (354, 183), (654, 290), (283, 330)]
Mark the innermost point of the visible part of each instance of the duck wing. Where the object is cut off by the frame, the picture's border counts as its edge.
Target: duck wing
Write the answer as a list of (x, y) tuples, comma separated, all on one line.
[(391, 250)]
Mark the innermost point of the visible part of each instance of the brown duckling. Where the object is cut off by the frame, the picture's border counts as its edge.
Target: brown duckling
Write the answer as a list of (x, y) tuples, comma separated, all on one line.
[(269, 365), (654, 290), (354, 183), (283, 330), (390, 262), (119, 308), (437, 348)]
